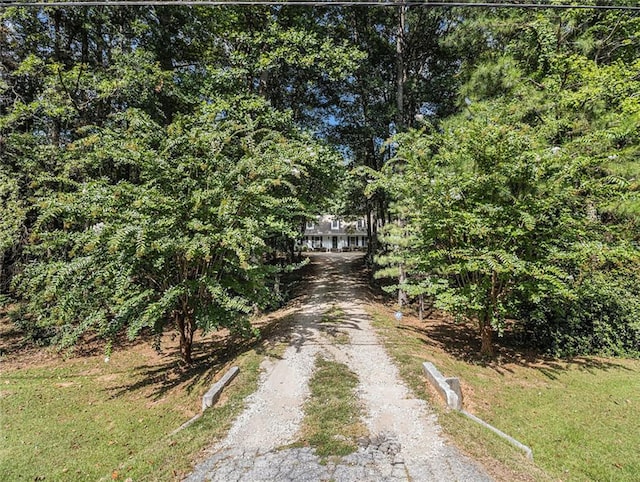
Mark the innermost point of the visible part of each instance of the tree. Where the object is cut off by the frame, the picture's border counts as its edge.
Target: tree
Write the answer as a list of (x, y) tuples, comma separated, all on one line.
[(181, 243), (404, 56), (519, 200), (478, 198), (106, 136)]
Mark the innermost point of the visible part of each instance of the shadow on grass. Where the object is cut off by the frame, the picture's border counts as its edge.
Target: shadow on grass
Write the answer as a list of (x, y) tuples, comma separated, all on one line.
[(209, 358), (462, 342), (12, 340)]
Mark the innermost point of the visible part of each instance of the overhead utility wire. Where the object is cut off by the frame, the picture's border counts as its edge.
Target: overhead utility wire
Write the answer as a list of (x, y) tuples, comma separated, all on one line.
[(306, 3)]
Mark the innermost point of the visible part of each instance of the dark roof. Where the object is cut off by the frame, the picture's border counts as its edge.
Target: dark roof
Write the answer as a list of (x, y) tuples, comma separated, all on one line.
[(347, 228)]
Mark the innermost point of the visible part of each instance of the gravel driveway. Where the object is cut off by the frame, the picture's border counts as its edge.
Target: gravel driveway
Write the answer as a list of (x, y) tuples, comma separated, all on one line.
[(404, 442)]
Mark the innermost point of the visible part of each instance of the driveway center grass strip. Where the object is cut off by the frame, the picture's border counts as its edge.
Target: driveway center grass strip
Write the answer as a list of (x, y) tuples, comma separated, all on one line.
[(335, 314), (332, 423), (581, 417), (331, 322)]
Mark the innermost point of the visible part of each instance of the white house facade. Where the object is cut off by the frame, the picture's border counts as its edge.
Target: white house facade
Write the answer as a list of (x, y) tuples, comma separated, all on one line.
[(331, 233)]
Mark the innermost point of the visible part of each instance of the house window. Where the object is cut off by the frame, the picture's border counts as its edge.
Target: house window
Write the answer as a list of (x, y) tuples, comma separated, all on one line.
[(309, 224), (335, 224), (360, 224), (364, 241)]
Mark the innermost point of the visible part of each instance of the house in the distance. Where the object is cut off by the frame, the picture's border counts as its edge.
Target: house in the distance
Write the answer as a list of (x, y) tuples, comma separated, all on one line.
[(335, 234)]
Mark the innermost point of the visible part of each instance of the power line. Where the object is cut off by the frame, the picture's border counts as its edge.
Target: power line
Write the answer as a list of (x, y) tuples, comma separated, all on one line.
[(311, 3)]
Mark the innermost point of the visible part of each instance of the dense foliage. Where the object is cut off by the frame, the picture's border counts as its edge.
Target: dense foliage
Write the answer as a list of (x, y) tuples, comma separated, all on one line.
[(523, 208), (182, 242), (155, 160), (141, 189)]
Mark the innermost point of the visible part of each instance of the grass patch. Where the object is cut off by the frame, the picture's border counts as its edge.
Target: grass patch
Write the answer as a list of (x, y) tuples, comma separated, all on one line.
[(83, 419), (580, 417), (341, 338), (330, 323), (171, 458), (335, 314), (70, 423), (332, 423)]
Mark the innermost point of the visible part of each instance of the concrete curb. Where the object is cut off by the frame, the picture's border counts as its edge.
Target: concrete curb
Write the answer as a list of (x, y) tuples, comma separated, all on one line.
[(186, 424), (527, 451), (214, 392), (211, 396), (443, 387), (449, 389)]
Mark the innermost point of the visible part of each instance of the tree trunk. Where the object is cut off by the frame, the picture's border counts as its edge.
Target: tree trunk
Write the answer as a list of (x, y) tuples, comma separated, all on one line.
[(486, 336), (185, 325), (403, 299), (486, 328), (370, 246), (400, 81), (400, 68), (374, 234), (276, 286)]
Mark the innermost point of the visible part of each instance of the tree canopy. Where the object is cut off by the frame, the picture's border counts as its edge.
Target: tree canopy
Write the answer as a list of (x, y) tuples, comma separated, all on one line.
[(154, 161)]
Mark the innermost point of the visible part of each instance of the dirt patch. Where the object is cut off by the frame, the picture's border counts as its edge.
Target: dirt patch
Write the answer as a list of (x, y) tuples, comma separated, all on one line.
[(15, 350), (6, 393), (64, 384)]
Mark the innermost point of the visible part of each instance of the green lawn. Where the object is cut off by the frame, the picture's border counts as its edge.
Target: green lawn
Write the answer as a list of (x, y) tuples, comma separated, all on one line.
[(580, 417), (582, 421), (69, 423), (82, 418)]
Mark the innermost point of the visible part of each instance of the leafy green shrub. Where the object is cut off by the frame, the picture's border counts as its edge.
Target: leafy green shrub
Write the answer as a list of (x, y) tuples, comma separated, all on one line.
[(603, 319)]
